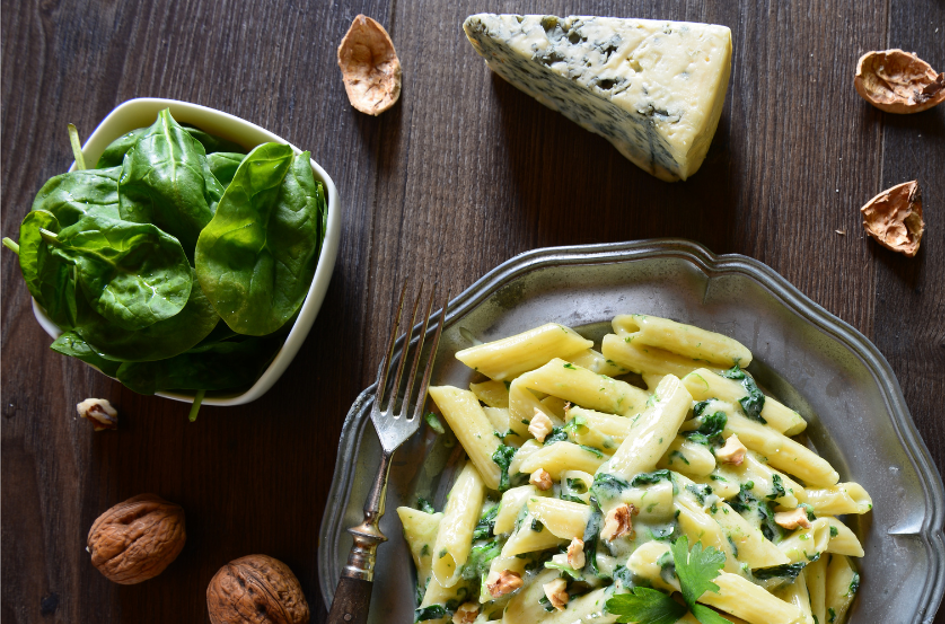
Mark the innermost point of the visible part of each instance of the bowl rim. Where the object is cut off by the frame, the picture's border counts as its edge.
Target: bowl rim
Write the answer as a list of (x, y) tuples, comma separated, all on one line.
[(116, 123), (930, 532)]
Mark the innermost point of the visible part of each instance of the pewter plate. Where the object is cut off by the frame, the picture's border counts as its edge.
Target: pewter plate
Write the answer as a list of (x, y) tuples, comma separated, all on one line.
[(805, 356)]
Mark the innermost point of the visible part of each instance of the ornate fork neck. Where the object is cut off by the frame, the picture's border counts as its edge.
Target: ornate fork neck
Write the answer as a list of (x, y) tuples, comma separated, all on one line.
[(367, 535)]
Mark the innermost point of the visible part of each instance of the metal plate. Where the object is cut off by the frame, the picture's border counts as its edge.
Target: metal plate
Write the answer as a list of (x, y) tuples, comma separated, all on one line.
[(805, 356)]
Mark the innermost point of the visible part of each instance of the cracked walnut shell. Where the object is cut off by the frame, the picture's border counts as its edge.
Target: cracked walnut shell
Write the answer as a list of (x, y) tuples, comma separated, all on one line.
[(894, 218), (257, 589), (369, 66), (135, 540), (900, 82)]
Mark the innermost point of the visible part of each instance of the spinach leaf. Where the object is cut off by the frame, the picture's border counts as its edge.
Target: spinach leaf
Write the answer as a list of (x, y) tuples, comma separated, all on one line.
[(49, 278), (256, 258), (558, 434), (786, 571), (73, 195), (114, 154), (71, 344), (219, 366), (166, 180), (486, 524), (754, 400), (161, 340), (212, 143), (433, 612), (591, 534), (607, 486), (480, 556), (711, 426), (503, 458), (223, 165), (133, 274), (649, 478)]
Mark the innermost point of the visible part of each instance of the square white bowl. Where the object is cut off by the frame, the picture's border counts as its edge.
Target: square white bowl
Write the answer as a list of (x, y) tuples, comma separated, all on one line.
[(141, 113)]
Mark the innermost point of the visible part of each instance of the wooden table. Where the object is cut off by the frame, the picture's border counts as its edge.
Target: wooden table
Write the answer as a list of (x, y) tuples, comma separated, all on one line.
[(464, 173)]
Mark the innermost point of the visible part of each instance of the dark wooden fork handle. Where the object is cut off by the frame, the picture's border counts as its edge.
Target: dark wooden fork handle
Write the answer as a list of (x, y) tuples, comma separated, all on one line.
[(352, 601)]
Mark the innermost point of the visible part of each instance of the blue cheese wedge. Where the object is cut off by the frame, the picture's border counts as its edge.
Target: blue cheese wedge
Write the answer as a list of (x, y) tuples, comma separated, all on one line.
[(654, 89)]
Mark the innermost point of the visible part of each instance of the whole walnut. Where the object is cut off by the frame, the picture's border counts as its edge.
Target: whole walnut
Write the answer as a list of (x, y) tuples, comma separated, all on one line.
[(135, 540), (256, 589)]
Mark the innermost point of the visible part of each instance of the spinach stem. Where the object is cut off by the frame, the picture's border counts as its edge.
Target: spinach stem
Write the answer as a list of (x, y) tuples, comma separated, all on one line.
[(76, 147), (198, 399), (10, 244)]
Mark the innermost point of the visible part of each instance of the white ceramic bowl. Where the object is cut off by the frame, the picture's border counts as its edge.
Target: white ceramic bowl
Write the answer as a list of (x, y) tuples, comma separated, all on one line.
[(142, 112)]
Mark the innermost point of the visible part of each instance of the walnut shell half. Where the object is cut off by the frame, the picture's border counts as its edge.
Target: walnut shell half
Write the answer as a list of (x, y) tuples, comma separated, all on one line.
[(256, 589), (135, 540), (369, 66), (898, 82), (894, 218)]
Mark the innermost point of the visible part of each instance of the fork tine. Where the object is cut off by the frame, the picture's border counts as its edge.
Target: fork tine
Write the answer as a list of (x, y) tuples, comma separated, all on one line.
[(405, 349), (384, 370), (415, 365), (424, 385)]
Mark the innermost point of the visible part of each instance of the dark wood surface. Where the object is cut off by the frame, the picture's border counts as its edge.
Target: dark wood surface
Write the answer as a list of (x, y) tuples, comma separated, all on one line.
[(462, 174)]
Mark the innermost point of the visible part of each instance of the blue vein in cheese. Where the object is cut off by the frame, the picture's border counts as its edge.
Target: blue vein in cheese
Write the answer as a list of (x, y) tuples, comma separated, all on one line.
[(654, 89)]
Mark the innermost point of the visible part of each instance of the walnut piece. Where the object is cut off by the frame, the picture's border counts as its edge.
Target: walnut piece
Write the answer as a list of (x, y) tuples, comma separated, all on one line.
[(99, 412), (733, 452), (894, 218), (369, 66), (466, 613), (135, 540), (619, 522), (502, 583), (541, 480), (792, 519), (898, 82), (257, 589), (557, 593), (540, 426), (576, 557)]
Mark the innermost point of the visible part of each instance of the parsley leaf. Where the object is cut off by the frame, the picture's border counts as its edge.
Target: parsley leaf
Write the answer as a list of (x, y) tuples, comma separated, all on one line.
[(705, 615), (646, 606), (696, 569)]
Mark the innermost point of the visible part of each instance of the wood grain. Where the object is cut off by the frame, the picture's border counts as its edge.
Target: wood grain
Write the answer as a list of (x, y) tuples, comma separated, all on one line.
[(464, 173)]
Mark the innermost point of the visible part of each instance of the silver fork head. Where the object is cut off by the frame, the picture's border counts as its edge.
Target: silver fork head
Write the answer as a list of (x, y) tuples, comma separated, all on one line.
[(396, 413)]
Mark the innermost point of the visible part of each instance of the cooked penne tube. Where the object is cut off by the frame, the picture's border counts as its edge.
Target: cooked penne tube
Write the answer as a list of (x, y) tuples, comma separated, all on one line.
[(509, 357), (796, 594), (767, 483), (472, 428), (815, 573), (564, 519), (842, 540), (688, 458), (610, 425), (454, 537), (645, 360), (652, 432), (561, 456), (805, 545), (580, 386), (492, 393), (842, 585), (525, 606), (703, 385), (532, 535), (842, 498), (597, 363), (699, 526), (512, 502), (420, 529), (687, 340), (524, 405)]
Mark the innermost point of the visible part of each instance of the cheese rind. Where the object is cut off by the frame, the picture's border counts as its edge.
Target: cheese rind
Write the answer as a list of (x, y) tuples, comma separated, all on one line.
[(654, 89)]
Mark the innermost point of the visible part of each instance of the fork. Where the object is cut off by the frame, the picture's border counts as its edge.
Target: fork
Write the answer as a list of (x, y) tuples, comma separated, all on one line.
[(353, 595)]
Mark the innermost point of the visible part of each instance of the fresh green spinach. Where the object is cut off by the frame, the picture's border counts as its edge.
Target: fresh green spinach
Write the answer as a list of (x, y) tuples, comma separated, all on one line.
[(166, 180), (256, 258), (133, 274)]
